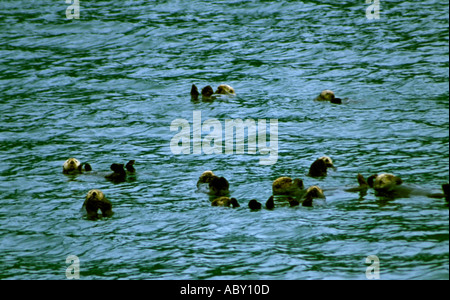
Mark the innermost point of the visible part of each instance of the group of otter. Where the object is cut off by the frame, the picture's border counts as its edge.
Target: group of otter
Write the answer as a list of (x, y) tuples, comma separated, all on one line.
[(285, 190), (291, 192), (95, 199)]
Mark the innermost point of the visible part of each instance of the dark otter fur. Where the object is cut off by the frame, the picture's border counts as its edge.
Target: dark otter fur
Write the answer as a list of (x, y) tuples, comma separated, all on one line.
[(95, 200), (319, 167)]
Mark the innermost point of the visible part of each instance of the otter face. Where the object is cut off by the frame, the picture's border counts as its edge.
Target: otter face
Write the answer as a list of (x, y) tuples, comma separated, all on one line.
[(71, 165), (206, 177), (95, 200), (225, 89), (315, 192), (327, 160), (386, 182)]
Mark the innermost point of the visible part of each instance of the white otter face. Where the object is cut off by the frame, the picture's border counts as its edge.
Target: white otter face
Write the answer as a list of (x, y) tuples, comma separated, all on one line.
[(386, 182), (225, 89), (328, 162), (95, 195), (72, 164)]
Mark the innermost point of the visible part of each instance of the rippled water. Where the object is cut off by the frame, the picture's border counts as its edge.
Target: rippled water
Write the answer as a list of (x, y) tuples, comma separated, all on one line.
[(106, 87)]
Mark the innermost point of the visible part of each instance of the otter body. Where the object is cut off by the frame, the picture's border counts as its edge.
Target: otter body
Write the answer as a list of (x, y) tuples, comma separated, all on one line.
[(208, 93)]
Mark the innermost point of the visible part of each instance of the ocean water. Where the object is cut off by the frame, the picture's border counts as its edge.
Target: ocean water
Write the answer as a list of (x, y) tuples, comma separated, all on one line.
[(105, 88)]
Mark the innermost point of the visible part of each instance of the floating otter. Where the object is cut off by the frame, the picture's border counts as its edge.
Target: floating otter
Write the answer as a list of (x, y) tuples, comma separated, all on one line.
[(95, 200), (391, 186), (214, 185), (287, 186), (319, 167), (208, 92), (225, 201), (74, 166), (328, 95)]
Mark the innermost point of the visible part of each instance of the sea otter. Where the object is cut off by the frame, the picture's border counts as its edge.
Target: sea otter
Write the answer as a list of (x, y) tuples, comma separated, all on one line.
[(328, 95), (74, 166), (319, 167), (208, 93), (95, 200)]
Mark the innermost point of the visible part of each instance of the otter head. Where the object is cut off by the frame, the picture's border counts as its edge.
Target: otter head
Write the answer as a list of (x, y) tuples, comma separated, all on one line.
[(206, 177), (386, 182), (314, 192), (95, 200), (319, 167), (225, 89), (327, 161), (71, 165), (328, 95)]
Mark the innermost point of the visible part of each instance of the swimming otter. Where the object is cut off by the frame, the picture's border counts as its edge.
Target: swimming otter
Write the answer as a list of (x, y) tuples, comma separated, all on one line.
[(287, 186), (328, 95), (95, 200), (214, 185), (208, 92), (319, 167), (226, 202), (74, 166)]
